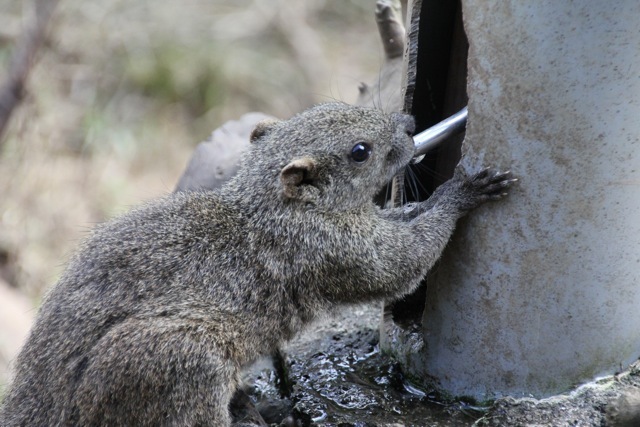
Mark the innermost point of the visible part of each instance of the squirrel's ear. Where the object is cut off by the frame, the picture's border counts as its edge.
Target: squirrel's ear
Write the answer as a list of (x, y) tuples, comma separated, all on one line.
[(262, 128), (298, 178)]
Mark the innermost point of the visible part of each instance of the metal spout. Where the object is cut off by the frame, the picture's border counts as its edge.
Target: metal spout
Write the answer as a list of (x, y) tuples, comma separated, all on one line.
[(432, 137)]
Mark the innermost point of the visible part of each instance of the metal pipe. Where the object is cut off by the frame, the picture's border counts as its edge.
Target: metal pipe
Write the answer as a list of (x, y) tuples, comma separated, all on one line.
[(430, 138)]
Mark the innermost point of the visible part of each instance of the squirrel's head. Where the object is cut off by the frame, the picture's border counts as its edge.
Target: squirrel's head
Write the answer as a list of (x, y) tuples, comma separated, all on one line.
[(332, 155)]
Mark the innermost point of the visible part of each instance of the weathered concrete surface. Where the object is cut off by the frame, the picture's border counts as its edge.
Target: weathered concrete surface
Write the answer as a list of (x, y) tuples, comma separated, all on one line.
[(612, 401), (541, 292)]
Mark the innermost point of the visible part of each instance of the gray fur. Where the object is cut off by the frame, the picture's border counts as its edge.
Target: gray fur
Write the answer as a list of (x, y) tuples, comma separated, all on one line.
[(160, 309)]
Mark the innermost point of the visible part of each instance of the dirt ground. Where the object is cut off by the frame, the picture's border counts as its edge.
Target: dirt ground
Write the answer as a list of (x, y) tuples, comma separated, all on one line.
[(121, 94)]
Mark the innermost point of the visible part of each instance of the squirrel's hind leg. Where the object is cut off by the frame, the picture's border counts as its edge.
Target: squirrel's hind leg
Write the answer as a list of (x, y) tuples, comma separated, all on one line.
[(156, 372)]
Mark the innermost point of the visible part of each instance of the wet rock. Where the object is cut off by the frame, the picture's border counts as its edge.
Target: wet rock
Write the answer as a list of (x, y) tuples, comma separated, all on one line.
[(243, 410), (262, 385), (274, 411), (339, 377)]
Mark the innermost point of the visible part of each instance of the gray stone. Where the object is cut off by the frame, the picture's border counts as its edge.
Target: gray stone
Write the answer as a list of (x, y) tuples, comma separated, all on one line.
[(216, 160)]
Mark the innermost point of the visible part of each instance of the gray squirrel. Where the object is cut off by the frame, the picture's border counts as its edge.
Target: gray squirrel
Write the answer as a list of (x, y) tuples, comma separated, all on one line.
[(161, 308)]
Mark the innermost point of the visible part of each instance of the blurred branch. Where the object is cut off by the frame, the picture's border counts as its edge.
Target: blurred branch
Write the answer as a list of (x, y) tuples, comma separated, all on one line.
[(391, 27), (386, 92), (22, 59)]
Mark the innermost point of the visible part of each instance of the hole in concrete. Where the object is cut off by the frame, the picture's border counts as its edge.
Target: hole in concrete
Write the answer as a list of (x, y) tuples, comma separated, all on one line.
[(440, 91)]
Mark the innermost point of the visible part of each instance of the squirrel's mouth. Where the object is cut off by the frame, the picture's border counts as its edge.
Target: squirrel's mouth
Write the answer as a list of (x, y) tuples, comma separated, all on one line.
[(398, 159)]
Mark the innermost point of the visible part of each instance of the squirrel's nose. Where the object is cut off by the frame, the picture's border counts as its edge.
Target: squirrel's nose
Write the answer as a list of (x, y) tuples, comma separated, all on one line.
[(405, 121)]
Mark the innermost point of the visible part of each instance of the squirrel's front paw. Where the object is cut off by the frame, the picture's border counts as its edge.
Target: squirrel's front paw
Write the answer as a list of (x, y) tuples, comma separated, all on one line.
[(488, 184)]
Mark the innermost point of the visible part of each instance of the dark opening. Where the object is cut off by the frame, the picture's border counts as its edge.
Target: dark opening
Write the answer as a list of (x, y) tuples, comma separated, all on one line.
[(440, 91)]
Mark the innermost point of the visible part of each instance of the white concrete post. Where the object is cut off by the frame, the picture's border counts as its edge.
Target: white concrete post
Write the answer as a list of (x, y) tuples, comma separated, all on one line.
[(541, 292)]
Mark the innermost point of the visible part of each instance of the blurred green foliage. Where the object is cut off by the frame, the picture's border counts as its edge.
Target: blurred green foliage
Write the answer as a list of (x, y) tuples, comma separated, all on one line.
[(172, 73)]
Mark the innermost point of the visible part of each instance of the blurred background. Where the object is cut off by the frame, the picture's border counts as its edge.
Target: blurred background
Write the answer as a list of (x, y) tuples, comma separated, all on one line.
[(122, 92)]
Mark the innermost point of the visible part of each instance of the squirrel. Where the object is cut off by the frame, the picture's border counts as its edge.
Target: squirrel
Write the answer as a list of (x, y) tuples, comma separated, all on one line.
[(161, 308)]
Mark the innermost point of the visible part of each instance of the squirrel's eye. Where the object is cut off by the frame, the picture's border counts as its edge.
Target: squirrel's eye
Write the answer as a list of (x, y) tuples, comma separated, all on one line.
[(360, 152)]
